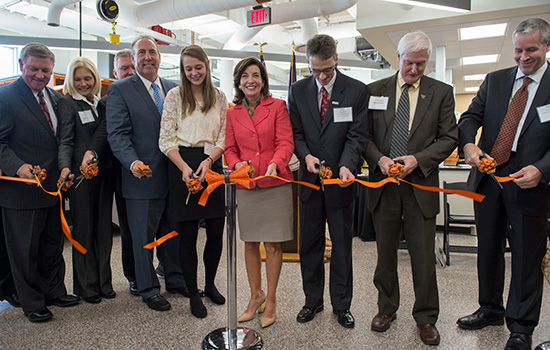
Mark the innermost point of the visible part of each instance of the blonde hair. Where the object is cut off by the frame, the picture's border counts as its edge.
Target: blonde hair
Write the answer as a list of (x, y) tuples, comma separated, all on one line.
[(208, 90), (81, 62)]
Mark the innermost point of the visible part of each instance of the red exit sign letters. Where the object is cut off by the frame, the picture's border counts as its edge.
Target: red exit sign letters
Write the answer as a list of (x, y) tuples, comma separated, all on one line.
[(258, 17)]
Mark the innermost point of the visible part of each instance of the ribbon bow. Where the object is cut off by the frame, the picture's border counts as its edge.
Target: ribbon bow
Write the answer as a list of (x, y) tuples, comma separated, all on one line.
[(239, 176)]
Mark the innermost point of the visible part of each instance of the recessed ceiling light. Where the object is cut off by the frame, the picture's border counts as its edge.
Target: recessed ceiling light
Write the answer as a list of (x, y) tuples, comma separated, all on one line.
[(430, 4), (485, 31), (479, 59), (471, 89), (474, 77)]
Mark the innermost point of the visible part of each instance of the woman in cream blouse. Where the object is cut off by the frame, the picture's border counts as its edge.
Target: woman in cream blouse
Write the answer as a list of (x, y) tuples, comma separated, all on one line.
[(192, 135)]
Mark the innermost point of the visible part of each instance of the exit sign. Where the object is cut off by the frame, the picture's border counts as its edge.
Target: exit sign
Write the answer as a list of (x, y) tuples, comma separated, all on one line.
[(258, 17)]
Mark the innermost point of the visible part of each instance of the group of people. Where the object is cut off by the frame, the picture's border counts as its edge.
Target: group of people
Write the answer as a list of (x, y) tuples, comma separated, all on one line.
[(177, 132)]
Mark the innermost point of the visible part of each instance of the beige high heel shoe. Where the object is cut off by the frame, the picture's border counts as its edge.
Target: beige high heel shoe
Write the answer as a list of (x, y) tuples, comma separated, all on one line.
[(268, 321), (245, 316)]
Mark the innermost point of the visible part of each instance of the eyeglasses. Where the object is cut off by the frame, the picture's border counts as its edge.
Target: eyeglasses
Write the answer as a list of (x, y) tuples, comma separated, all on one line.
[(317, 72)]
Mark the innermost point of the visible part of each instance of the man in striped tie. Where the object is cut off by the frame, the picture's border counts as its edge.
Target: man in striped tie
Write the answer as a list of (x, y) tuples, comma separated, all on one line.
[(412, 123), (512, 106)]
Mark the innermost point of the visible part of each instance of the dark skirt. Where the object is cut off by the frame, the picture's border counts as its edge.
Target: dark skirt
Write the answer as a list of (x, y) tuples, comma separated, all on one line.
[(177, 193)]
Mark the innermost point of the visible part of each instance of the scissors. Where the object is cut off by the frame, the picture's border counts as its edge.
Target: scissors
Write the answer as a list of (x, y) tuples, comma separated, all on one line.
[(492, 175), (81, 177), (63, 182), (317, 166)]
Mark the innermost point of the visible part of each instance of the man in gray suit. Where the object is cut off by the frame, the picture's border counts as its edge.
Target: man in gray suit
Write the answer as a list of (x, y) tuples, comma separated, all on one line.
[(328, 112), (517, 135), (133, 123), (32, 224), (413, 123)]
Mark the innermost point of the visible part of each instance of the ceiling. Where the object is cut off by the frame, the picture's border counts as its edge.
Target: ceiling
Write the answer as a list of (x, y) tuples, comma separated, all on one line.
[(381, 23)]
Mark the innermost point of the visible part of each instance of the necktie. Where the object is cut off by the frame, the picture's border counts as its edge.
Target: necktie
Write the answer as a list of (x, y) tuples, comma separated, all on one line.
[(400, 132), (158, 99), (324, 103), (505, 138), (45, 109)]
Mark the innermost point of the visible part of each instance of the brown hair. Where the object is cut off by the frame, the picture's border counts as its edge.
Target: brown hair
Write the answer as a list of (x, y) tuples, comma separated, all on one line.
[(238, 72), (188, 103)]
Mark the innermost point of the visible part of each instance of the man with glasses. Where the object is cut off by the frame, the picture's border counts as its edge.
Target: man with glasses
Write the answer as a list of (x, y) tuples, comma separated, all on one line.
[(328, 112)]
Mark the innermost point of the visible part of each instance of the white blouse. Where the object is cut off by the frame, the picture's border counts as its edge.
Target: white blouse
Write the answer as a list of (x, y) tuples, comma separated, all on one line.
[(195, 130)]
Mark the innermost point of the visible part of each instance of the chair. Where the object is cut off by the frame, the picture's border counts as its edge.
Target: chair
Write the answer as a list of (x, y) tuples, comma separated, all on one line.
[(450, 219)]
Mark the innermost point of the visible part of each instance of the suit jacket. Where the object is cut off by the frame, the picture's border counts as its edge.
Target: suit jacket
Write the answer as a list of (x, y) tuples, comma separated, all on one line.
[(26, 137), (133, 126), (338, 144), (433, 136), (488, 110), (263, 139), (75, 138)]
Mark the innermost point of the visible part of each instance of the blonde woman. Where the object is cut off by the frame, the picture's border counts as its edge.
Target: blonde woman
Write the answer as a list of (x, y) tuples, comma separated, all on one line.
[(192, 135), (83, 139)]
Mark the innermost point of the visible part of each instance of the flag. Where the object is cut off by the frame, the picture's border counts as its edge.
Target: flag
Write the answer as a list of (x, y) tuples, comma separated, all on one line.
[(292, 73), (261, 56)]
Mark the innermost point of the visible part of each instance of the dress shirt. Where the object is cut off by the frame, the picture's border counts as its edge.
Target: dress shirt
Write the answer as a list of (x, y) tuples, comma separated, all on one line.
[(149, 89), (328, 87), (413, 96), (532, 90)]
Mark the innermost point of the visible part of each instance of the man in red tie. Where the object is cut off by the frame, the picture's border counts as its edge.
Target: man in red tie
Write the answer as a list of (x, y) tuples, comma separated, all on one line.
[(513, 107), (31, 220)]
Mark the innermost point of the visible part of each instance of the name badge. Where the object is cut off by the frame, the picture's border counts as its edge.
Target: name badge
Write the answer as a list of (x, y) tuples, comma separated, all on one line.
[(86, 116), (379, 103), (343, 115), (544, 113), (208, 148)]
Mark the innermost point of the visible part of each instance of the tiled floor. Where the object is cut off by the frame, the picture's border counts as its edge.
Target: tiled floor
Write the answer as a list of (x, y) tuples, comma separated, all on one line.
[(126, 323)]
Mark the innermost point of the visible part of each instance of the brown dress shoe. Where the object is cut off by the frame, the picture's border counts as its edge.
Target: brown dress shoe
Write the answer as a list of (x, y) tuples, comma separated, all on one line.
[(429, 334), (381, 322)]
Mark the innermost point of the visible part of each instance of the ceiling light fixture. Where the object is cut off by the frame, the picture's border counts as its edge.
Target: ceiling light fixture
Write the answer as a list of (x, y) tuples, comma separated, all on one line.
[(485, 31), (462, 6), (474, 77), (479, 59)]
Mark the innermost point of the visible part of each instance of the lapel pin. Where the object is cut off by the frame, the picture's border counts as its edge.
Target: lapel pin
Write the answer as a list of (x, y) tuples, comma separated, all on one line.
[(423, 96)]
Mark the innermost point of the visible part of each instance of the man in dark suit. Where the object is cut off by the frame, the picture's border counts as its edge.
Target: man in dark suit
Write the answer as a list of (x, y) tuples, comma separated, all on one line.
[(32, 224), (512, 107), (7, 286), (328, 112), (133, 124), (413, 123)]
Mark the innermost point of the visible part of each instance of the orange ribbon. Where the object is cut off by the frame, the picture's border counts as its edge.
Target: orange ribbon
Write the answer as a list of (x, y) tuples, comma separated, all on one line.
[(240, 177), (160, 240), (472, 195)]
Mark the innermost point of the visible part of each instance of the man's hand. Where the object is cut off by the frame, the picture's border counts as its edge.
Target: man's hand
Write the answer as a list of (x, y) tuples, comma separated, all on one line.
[(311, 161), (0, 172), (135, 170), (25, 172), (472, 154), (271, 170), (409, 164), (384, 163), (527, 177), (345, 175)]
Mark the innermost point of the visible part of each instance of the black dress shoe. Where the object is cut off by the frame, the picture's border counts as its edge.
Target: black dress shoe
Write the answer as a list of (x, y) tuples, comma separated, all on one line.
[(345, 318), (308, 313), (157, 302), (108, 295), (134, 288), (13, 299), (94, 299), (65, 300), (197, 307), (214, 295), (179, 290), (479, 320), (40, 315), (518, 341)]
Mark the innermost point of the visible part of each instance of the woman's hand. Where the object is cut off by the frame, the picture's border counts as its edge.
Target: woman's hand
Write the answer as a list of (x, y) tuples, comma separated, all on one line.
[(200, 174), (271, 170), (186, 173), (87, 158), (239, 164)]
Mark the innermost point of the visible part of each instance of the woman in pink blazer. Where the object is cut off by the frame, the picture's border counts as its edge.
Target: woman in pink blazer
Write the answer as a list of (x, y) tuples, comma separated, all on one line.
[(258, 130)]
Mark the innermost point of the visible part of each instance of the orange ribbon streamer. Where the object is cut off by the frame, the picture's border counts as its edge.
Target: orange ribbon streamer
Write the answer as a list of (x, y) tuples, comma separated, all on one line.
[(505, 178), (160, 240), (472, 195), (240, 177)]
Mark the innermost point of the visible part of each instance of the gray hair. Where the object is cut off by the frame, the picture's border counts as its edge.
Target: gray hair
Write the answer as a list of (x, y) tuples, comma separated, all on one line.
[(322, 46), (139, 37), (532, 26), (36, 50), (414, 42), (122, 53)]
